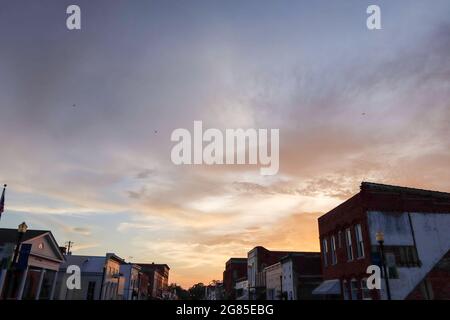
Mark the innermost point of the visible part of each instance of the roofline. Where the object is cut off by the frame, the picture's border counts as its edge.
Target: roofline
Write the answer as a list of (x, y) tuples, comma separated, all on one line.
[(342, 204), (44, 233), (280, 251), (153, 264), (239, 260), (372, 186), (114, 257), (301, 254)]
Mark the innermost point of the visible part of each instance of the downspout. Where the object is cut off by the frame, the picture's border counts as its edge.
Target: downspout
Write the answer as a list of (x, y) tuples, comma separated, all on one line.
[(414, 238), (103, 281), (417, 254)]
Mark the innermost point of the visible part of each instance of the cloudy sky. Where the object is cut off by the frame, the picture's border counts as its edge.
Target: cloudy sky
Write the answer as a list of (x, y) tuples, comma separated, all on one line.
[(86, 118)]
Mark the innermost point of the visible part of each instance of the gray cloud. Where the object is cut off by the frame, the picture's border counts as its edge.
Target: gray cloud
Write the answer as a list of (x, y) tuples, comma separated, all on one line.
[(351, 105)]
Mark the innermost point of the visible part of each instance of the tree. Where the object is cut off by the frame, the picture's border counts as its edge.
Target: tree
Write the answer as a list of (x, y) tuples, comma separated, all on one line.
[(181, 293), (197, 291)]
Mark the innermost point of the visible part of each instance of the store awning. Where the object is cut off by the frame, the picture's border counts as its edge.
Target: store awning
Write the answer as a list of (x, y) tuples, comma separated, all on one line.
[(328, 287)]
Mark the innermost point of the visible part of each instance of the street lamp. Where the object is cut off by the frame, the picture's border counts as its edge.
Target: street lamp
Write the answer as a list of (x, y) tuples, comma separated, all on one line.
[(21, 230), (380, 239)]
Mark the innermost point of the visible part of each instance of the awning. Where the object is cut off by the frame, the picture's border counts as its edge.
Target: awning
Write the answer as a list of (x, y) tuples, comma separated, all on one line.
[(328, 287)]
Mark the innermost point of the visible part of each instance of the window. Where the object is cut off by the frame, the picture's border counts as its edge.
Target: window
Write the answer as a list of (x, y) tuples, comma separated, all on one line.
[(345, 290), (325, 252), (354, 289), (400, 256), (391, 265), (90, 290), (348, 243), (364, 290), (333, 250), (359, 242), (271, 293), (406, 256)]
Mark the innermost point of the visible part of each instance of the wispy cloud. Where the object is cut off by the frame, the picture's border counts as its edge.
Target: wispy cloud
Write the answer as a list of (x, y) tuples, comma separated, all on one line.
[(351, 105)]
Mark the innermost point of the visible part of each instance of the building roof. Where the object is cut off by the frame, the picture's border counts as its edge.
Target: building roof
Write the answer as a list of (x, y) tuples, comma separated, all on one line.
[(162, 269), (114, 256), (393, 199), (281, 254), (293, 255), (10, 235), (90, 263), (86, 263), (154, 265), (236, 260), (378, 187), (305, 263)]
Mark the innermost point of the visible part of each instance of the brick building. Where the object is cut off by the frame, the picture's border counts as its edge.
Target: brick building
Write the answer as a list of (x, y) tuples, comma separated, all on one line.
[(235, 268), (158, 278), (416, 227)]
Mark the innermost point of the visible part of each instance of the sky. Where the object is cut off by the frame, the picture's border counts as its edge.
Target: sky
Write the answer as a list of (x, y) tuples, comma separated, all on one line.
[(86, 118)]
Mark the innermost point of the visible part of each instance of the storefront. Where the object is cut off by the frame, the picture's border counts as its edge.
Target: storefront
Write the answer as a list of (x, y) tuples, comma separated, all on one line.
[(35, 273)]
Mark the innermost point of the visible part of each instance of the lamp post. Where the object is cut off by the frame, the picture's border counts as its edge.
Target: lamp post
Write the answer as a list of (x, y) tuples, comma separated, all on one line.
[(21, 230), (380, 239)]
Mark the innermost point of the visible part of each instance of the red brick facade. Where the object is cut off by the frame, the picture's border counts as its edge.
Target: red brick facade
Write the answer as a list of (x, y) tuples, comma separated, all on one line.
[(335, 223), (235, 268), (353, 213), (436, 284), (158, 278)]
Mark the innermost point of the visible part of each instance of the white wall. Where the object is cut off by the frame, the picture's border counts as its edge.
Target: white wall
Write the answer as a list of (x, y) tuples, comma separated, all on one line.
[(252, 262), (432, 233), (288, 280), (273, 283)]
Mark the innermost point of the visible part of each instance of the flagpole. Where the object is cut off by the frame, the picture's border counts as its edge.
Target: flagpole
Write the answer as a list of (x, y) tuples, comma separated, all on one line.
[(2, 201)]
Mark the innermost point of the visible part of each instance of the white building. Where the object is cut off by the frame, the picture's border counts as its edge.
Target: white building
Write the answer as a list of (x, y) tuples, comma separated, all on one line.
[(214, 291), (424, 238), (131, 283), (100, 278), (38, 264), (274, 289), (242, 289)]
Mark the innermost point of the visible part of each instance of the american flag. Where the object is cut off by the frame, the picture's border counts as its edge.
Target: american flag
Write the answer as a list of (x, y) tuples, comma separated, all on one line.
[(2, 201)]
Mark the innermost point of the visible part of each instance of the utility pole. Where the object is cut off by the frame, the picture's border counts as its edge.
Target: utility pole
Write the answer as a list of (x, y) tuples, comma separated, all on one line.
[(69, 245)]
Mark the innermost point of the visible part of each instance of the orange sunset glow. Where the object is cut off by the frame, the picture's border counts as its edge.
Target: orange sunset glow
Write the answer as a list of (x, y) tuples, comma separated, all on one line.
[(86, 120)]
